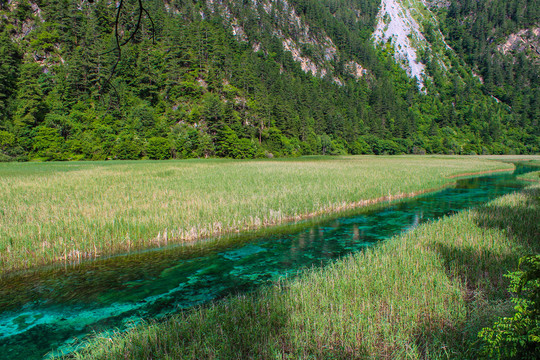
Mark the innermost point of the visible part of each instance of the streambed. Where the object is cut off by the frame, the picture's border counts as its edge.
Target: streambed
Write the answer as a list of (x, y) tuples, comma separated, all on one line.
[(49, 311)]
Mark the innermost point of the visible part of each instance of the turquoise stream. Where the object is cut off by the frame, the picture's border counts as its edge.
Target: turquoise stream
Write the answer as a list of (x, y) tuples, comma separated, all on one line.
[(50, 311)]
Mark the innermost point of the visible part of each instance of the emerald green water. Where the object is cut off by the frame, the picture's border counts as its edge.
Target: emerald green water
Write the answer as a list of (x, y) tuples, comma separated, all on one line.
[(50, 311)]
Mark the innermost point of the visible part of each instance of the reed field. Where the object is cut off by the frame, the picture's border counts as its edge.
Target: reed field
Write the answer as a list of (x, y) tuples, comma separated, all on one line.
[(532, 176), (72, 211), (424, 294)]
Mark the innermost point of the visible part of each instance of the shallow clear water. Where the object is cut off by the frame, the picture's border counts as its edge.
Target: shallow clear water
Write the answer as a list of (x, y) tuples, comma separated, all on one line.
[(51, 310)]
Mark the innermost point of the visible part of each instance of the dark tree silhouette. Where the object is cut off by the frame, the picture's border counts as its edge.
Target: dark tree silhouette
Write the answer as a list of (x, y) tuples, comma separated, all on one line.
[(141, 11)]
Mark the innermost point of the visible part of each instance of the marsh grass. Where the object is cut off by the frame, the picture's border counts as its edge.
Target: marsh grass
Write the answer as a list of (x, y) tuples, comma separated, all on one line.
[(420, 295), (532, 176), (72, 211)]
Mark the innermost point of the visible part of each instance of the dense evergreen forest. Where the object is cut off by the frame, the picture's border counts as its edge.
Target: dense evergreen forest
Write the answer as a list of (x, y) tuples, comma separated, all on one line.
[(185, 85)]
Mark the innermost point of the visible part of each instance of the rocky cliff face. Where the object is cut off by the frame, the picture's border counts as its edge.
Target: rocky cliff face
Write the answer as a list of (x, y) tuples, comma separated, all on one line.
[(409, 26), (312, 48), (283, 76), (524, 41), (401, 23), (397, 25), (413, 31)]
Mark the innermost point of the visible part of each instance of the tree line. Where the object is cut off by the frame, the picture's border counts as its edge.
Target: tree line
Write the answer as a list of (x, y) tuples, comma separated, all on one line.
[(186, 87)]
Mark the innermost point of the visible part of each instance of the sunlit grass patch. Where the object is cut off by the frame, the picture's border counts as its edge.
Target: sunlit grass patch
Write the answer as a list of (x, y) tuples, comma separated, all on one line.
[(72, 211), (420, 295), (532, 176)]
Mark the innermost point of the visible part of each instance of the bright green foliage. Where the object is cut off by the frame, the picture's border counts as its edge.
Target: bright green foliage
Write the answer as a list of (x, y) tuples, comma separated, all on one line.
[(46, 39), (229, 145), (360, 146), (212, 196), (420, 295), (6, 142), (48, 143), (128, 147), (9, 71), (158, 148), (6, 139), (198, 78), (278, 144), (475, 30), (518, 337)]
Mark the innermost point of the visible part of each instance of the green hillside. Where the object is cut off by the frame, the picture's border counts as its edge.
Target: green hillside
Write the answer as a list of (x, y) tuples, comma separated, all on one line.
[(243, 79)]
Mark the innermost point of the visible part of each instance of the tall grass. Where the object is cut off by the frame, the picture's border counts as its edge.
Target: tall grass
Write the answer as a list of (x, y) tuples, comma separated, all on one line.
[(420, 295), (71, 211), (532, 176)]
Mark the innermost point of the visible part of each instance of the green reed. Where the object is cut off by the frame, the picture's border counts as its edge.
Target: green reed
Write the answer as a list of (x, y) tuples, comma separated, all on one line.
[(532, 176), (421, 295), (72, 211)]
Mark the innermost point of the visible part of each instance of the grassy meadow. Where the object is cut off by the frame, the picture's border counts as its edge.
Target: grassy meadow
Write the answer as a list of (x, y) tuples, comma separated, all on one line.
[(532, 176), (424, 294), (71, 211)]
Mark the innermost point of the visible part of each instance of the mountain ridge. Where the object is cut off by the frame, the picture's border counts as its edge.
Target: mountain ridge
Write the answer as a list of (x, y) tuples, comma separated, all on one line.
[(251, 79)]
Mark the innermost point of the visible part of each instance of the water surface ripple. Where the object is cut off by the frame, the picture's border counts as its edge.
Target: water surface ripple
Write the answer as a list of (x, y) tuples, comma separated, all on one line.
[(49, 311)]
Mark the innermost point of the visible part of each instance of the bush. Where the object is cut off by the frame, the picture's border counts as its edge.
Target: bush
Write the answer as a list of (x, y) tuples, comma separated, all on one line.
[(158, 148), (277, 143), (244, 149), (337, 148), (360, 146), (230, 145), (383, 146), (5, 158), (127, 147), (6, 139), (518, 337), (48, 144)]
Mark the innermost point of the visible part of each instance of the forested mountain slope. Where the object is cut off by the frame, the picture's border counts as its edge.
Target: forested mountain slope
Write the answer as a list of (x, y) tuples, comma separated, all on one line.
[(256, 78)]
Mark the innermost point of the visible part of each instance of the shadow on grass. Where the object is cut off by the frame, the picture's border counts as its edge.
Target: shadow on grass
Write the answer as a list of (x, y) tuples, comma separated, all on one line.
[(482, 271), (253, 326), (238, 327), (246, 327), (521, 222), (256, 328)]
